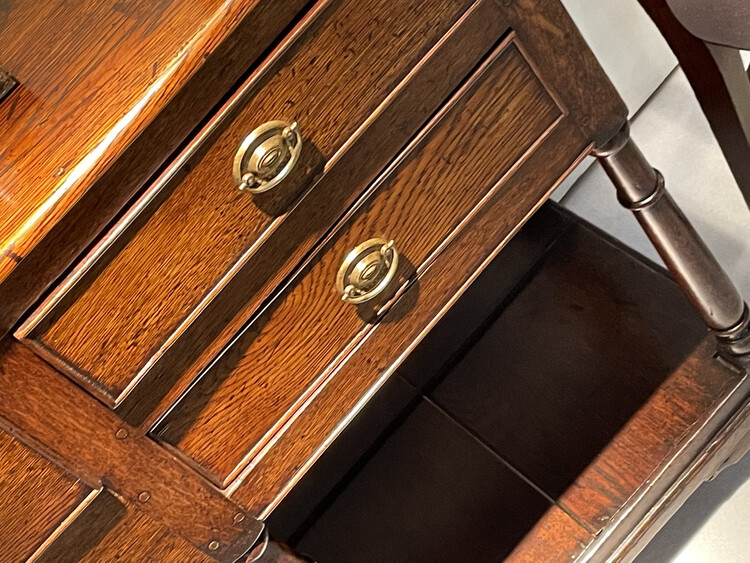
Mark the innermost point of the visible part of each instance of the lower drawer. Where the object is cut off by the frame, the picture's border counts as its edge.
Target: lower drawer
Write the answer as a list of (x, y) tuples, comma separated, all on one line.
[(461, 161)]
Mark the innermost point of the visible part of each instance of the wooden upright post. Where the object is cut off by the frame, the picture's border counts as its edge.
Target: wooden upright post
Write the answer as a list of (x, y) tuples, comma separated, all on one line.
[(641, 189)]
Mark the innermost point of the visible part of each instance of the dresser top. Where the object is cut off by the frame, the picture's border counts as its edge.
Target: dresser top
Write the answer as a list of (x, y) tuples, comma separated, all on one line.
[(92, 76)]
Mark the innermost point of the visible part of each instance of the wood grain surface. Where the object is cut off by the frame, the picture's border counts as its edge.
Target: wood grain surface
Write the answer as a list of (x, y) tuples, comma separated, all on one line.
[(548, 406), (80, 432), (598, 383), (257, 277), (719, 440), (89, 440), (283, 461), (639, 475), (491, 125), (596, 113), (107, 90), (555, 537), (35, 497), (111, 529), (649, 440), (330, 80), (196, 265)]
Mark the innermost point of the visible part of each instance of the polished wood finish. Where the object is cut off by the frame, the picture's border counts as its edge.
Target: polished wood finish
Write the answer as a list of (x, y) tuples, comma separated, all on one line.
[(555, 537), (339, 396), (229, 310), (578, 275), (35, 497), (456, 331), (89, 440), (711, 452), (111, 529), (210, 361), (502, 113), (661, 446), (121, 315), (86, 127), (108, 528), (641, 189), (615, 432), (602, 442)]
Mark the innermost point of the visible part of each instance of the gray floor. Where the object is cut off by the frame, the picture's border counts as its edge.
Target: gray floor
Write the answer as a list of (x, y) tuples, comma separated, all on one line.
[(714, 525)]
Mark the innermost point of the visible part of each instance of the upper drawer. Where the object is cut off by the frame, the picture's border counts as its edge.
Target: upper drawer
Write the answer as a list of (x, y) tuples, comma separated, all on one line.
[(459, 162), (107, 91), (359, 77)]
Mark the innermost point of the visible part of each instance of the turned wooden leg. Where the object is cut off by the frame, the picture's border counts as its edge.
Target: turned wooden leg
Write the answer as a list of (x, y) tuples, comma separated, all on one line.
[(641, 189), (268, 550)]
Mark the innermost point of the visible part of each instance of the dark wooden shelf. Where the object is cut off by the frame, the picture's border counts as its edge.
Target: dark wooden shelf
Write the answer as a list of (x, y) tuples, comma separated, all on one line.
[(569, 403)]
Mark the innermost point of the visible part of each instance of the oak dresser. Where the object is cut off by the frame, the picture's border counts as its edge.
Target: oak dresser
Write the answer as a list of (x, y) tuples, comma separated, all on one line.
[(224, 225)]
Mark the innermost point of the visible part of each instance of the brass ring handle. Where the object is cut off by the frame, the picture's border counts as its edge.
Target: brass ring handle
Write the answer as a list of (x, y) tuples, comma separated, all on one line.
[(266, 156), (367, 270)]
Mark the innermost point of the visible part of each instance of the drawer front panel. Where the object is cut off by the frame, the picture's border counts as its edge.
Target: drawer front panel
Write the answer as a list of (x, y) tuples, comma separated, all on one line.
[(35, 497), (461, 159), (160, 265)]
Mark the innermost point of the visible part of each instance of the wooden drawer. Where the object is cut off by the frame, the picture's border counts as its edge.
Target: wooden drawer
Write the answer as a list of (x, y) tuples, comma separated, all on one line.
[(460, 161), (194, 257), (107, 92)]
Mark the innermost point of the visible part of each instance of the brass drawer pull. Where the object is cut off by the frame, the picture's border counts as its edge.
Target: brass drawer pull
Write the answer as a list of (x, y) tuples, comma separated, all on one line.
[(266, 156), (367, 270)]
